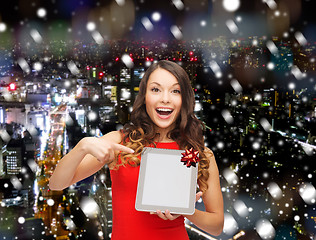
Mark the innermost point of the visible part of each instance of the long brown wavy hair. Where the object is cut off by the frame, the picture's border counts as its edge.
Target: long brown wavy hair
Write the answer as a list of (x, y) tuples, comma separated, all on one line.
[(140, 132)]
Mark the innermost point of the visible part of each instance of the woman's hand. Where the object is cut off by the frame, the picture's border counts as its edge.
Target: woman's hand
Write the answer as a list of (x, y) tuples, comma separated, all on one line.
[(102, 149), (168, 216), (86, 158)]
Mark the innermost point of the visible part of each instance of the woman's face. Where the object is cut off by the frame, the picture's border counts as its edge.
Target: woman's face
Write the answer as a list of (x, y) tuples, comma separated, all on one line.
[(163, 99)]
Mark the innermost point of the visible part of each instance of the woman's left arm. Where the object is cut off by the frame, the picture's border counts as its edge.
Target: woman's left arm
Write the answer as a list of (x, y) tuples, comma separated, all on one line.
[(212, 220)]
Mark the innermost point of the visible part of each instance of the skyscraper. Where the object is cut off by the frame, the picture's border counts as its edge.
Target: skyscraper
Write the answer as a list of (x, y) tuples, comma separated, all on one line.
[(13, 157)]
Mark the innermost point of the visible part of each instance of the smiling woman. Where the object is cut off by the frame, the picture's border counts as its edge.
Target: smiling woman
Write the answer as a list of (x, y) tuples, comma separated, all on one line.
[(162, 117), (163, 101), (165, 88)]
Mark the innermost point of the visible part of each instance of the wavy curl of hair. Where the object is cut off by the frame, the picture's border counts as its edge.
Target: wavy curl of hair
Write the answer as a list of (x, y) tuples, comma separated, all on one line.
[(188, 132)]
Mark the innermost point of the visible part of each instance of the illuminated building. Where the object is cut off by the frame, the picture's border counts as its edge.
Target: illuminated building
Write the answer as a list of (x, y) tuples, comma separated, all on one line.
[(13, 160), (2, 171)]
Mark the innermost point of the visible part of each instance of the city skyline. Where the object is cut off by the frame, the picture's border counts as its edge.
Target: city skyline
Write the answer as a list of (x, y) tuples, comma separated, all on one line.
[(255, 62)]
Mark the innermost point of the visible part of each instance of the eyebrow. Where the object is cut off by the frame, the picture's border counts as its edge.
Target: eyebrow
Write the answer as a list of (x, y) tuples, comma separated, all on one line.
[(160, 84)]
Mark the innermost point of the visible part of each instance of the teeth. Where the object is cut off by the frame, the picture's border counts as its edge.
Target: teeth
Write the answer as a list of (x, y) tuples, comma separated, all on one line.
[(164, 110)]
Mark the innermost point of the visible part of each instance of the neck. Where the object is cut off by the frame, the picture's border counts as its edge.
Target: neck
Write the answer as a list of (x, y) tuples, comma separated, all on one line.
[(162, 133), (162, 136), (166, 140)]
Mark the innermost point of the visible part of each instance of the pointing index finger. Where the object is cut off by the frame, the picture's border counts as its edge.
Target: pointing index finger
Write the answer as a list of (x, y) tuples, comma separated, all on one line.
[(123, 148)]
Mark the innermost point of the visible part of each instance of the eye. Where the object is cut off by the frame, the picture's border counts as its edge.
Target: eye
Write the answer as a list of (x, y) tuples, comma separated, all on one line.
[(176, 91), (154, 89)]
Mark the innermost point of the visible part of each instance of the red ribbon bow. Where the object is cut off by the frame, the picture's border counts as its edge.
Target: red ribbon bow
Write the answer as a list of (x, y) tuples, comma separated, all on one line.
[(190, 157)]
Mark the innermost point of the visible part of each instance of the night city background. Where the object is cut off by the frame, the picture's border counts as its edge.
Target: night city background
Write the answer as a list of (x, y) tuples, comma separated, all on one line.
[(70, 69)]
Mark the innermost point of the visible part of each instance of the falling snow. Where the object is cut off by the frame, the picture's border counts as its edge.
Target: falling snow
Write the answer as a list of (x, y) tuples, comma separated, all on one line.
[(147, 24), (231, 5), (256, 69), (232, 26), (176, 32), (41, 12)]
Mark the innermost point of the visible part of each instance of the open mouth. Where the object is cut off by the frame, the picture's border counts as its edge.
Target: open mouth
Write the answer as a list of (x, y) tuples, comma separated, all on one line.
[(164, 111)]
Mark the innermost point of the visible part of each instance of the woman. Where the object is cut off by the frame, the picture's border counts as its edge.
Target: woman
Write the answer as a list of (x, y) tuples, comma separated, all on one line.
[(162, 117)]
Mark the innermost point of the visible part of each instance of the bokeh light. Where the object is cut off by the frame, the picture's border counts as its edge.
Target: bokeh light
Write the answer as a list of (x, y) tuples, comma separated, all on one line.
[(91, 26), (156, 16), (3, 27), (21, 220), (41, 12), (50, 202), (231, 5)]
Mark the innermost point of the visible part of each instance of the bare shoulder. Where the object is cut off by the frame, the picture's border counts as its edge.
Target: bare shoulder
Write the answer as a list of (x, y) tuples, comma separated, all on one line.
[(114, 136), (211, 157), (208, 153)]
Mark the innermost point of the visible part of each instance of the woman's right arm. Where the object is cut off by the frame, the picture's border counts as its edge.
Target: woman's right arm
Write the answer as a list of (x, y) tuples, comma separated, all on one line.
[(86, 158)]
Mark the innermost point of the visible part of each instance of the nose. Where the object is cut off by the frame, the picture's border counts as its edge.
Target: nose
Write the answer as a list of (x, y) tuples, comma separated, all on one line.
[(165, 98)]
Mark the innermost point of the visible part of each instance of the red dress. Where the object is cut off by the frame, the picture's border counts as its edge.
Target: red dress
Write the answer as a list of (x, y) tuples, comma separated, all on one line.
[(131, 224)]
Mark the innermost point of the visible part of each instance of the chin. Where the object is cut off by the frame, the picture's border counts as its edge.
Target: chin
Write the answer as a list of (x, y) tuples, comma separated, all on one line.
[(165, 126)]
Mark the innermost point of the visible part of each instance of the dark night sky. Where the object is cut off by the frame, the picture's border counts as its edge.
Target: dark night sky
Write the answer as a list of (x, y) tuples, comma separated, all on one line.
[(17, 10), (255, 15)]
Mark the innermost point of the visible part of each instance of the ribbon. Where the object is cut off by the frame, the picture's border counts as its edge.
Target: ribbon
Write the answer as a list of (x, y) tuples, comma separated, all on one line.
[(190, 157)]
